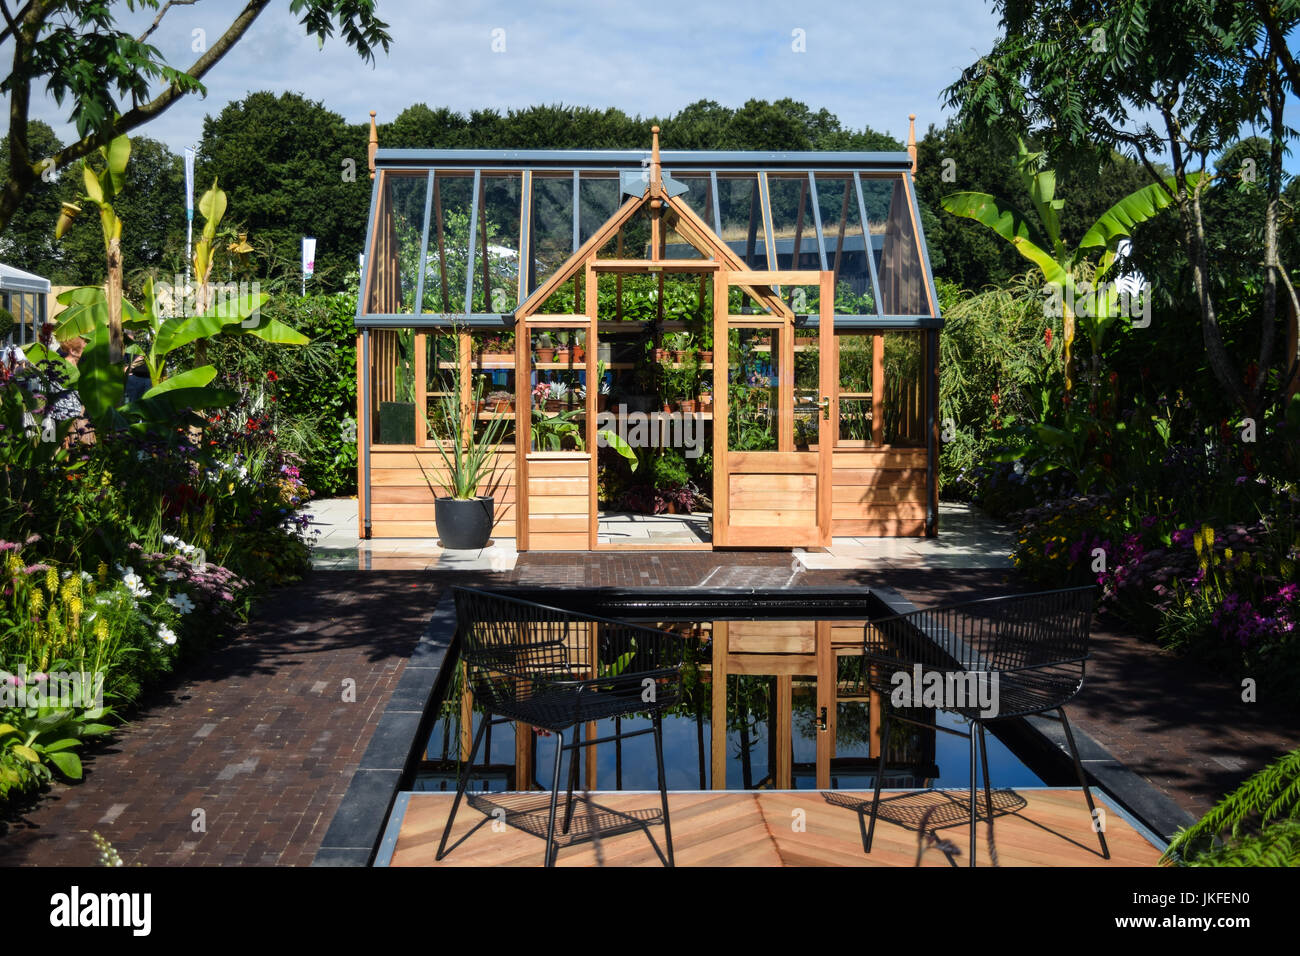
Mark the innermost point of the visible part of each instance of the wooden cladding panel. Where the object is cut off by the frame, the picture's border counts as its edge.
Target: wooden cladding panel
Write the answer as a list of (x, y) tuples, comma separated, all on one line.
[(772, 637), (878, 493), (401, 502), (558, 504)]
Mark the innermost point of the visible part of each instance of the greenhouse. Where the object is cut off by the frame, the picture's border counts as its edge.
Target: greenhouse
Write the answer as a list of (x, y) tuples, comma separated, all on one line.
[(664, 349)]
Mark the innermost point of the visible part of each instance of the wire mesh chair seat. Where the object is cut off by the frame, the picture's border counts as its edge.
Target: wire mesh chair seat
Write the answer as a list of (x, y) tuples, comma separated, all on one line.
[(557, 670), (985, 660)]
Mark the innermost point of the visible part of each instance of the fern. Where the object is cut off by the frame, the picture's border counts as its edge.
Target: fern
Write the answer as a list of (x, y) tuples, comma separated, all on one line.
[(1275, 845), (1271, 796)]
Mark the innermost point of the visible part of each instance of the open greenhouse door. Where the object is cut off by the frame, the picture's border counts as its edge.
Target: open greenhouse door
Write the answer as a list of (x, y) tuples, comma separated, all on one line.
[(773, 383)]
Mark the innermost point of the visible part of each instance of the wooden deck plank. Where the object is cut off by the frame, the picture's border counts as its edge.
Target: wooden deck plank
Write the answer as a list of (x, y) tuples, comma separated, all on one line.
[(782, 828)]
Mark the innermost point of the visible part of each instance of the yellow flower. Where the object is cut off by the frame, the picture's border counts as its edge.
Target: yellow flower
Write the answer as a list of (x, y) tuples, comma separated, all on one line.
[(52, 582), (1245, 559), (1227, 554), (1197, 543), (101, 572), (1208, 534), (35, 602), (101, 630)]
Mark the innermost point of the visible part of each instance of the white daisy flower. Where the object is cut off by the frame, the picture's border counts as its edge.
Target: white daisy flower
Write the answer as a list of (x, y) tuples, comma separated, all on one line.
[(181, 602), (166, 634)]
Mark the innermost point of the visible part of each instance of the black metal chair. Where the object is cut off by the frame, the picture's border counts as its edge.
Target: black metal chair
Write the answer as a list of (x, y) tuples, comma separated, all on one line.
[(556, 670), (1026, 650)]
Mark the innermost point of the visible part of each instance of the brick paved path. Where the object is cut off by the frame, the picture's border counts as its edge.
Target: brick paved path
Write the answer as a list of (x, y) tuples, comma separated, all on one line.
[(257, 734)]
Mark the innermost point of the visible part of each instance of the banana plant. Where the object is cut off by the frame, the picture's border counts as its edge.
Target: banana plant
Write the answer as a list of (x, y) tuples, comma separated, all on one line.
[(102, 187), (1092, 302)]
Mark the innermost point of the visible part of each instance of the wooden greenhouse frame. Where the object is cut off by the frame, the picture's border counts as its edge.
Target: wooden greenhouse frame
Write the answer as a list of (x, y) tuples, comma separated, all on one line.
[(464, 247)]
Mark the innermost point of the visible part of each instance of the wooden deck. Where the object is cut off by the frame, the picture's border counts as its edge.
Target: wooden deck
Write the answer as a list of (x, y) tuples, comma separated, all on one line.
[(769, 828)]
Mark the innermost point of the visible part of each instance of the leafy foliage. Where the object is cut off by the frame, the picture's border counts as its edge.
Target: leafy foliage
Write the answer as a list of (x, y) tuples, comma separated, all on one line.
[(1261, 819)]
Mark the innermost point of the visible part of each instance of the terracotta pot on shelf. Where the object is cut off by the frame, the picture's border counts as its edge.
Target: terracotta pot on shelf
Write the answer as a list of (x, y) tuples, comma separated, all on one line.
[(661, 355), (706, 356), (562, 356), (579, 353), (687, 406), (545, 355), (679, 357)]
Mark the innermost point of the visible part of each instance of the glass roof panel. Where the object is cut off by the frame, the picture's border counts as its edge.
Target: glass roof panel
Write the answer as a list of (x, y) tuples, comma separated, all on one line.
[(395, 255), (551, 226), (845, 244), (741, 206), (496, 246), (448, 252), (903, 282), (773, 210)]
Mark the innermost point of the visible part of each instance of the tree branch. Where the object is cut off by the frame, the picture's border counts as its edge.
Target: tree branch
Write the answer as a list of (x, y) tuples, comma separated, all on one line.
[(162, 13), (141, 114), (1278, 42)]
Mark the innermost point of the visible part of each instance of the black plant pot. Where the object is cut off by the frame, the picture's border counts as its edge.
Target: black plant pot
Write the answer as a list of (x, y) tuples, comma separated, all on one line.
[(464, 524)]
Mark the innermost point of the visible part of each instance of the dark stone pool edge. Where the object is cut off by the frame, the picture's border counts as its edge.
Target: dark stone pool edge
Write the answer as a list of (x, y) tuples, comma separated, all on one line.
[(358, 825), (355, 833)]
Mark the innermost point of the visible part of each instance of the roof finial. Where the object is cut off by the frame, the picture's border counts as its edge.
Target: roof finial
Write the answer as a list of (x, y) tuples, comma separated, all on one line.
[(656, 177), (911, 139), (374, 144)]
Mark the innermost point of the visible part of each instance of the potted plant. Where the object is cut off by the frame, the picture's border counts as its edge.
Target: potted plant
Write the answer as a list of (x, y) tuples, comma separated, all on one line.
[(558, 397), (464, 517), (562, 347), (498, 350), (545, 349), (500, 402)]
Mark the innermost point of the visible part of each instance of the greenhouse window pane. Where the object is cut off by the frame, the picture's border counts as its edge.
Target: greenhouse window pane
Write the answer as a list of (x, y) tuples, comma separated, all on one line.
[(742, 218), (698, 195), (448, 253), (894, 241), (598, 199), (552, 225), (845, 243), (395, 252), (496, 247)]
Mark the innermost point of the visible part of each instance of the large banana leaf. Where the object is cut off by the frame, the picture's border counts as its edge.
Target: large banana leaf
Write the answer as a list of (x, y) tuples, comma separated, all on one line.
[(99, 381), (1007, 222), (191, 379), (277, 333), (1117, 222)]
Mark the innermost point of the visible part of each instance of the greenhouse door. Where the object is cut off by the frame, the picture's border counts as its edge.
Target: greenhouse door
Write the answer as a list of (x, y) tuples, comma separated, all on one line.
[(772, 392)]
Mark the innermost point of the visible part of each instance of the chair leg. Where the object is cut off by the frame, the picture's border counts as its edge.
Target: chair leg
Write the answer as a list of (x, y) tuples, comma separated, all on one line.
[(573, 778), (1083, 782), (974, 745), (988, 791), (555, 793), (880, 776), (461, 784), (663, 783)]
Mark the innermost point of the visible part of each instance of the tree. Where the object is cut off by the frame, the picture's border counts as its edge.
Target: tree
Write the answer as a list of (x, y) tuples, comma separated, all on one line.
[(1147, 78), (106, 74), (292, 168)]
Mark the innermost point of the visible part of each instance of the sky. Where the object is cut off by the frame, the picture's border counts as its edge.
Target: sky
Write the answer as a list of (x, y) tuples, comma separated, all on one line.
[(870, 63)]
